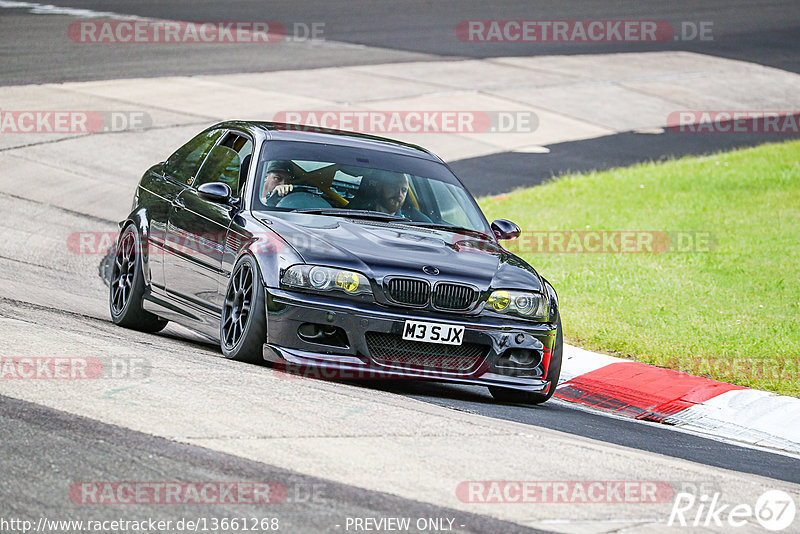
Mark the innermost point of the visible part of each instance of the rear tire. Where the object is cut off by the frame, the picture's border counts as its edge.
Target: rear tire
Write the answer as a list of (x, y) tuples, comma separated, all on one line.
[(515, 396), (243, 325), (126, 286)]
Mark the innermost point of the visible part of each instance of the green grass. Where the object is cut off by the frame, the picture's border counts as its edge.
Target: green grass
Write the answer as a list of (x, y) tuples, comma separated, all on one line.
[(731, 313)]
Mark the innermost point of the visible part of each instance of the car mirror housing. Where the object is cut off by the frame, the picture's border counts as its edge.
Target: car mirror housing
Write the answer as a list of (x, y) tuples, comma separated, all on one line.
[(505, 229), (215, 192)]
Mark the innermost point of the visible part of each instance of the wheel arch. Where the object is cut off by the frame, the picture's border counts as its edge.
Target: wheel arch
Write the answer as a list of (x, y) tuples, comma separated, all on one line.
[(553, 297), (138, 219), (272, 255)]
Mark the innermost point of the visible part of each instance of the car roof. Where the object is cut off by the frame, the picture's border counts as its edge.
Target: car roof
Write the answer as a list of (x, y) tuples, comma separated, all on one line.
[(314, 134)]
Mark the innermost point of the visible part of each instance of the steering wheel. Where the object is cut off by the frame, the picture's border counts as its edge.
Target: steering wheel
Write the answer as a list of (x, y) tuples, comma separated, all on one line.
[(273, 199)]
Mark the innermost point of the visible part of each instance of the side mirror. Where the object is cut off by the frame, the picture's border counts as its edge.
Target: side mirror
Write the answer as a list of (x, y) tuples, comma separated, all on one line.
[(504, 229), (215, 192)]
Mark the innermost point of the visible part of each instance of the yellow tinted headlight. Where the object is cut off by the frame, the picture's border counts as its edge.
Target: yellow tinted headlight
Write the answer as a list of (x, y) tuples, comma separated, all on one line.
[(500, 300), (348, 281)]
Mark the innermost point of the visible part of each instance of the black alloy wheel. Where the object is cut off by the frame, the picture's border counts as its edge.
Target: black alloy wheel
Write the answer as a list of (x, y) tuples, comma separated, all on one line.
[(243, 326), (126, 287)]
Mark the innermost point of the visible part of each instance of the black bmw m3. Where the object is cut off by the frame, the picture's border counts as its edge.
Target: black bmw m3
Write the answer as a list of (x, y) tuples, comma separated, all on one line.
[(336, 251)]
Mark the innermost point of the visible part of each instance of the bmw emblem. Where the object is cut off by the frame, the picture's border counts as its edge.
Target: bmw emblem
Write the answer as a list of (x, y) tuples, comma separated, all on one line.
[(433, 271)]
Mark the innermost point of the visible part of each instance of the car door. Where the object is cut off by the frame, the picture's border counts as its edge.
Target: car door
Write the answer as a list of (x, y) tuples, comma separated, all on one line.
[(198, 229), (175, 176)]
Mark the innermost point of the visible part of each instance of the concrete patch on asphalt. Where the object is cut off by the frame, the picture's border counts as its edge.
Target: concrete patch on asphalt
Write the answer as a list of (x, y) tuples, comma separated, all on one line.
[(573, 97)]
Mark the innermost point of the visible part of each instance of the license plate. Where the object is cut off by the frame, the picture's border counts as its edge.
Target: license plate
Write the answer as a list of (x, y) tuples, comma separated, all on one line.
[(446, 334)]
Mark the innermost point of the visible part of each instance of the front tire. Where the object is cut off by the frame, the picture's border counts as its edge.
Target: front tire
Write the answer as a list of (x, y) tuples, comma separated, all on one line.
[(515, 396), (243, 326), (126, 286)]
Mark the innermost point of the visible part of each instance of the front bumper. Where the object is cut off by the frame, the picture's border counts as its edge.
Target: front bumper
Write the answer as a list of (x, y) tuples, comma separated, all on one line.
[(352, 355)]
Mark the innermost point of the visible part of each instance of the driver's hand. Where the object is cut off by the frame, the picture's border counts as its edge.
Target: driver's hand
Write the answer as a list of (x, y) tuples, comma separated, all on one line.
[(282, 190)]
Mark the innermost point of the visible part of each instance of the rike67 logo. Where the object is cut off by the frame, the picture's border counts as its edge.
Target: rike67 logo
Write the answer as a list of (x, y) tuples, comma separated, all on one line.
[(774, 510)]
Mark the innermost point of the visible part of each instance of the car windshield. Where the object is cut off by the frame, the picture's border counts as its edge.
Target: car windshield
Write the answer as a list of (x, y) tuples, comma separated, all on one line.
[(359, 183)]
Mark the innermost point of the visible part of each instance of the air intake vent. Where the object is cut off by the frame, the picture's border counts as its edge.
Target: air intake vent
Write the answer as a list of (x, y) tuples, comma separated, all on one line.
[(392, 350)]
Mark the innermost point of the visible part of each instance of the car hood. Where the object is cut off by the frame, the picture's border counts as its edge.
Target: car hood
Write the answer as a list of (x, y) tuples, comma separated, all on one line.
[(378, 249)]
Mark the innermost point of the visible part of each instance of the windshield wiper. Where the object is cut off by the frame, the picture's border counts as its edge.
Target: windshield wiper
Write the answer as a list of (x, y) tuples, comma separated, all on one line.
[(355, 214), (377, 215), (447, 227)]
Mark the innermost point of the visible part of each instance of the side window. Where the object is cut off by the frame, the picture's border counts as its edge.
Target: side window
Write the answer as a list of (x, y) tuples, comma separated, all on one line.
[(451, 202), (184, 163), (228, 163)]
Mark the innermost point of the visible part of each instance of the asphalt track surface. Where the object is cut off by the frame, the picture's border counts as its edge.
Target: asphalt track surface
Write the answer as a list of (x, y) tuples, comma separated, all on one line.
[(366, 32), (503, 172), (764, 32), (43, 448), (565, 417), (310, 504)]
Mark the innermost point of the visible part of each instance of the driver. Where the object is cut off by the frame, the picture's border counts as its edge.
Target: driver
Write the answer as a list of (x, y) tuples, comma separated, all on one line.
[(276, 181)]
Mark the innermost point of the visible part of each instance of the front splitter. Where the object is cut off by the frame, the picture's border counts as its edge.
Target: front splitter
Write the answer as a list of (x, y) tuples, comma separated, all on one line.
[(345, 367)]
